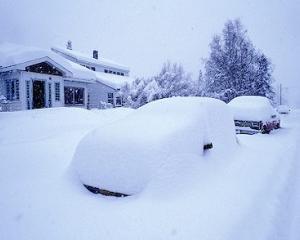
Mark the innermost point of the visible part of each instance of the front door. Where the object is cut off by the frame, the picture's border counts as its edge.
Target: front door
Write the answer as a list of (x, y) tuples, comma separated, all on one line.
[(38, 98)]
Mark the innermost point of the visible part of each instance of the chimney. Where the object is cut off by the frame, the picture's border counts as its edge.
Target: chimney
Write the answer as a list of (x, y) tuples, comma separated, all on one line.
[(95, 54)]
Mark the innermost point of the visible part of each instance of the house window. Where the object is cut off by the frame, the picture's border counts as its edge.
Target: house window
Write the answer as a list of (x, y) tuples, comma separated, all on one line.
[(57, 91), (12, 90), (93, 68), (44, 68), (118, 101), (28, 94), (50, 95), (122, 74), (110, 98), (110, 71), (74, 96), (105, 70), (88, 101)]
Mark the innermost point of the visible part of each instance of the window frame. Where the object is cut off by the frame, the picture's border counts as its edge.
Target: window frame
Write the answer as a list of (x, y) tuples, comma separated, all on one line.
[(12, 87), (49, 94), (110, 98), (73, 92), (57, 91)]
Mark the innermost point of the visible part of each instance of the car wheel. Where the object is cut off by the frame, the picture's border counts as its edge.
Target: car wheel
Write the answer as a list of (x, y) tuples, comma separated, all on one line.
[(265, 130), (277, 126)]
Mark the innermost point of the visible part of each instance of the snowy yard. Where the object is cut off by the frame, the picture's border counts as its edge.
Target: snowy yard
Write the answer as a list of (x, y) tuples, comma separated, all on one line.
[(254, 193)]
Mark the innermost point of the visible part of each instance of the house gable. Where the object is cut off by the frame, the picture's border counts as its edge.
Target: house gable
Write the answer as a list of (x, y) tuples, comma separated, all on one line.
[(44, 68), (40, 65)]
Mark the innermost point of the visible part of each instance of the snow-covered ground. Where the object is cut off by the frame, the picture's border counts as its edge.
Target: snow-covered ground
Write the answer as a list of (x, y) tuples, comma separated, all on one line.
[(253, 193)]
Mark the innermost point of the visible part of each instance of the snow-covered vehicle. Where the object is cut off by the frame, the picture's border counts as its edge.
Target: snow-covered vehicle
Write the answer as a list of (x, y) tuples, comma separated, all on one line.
[(283, 109), (122, 158), (253, 114)]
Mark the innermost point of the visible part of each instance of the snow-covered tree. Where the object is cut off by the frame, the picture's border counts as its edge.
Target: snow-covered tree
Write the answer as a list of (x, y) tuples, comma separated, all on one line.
[(199, 85), (235, 67), (173, 81), (170, 82), (263, 84)]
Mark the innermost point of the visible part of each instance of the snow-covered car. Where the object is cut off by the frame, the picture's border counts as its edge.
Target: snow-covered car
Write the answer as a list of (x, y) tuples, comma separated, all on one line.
[(283, 109), (120, 159), (253, 114)]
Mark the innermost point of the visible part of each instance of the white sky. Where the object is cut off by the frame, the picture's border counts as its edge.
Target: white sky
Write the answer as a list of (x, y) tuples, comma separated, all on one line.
[(144, 34)]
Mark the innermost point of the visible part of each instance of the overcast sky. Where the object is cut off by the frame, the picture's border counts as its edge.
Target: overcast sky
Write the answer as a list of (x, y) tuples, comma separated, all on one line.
[(144, 34)]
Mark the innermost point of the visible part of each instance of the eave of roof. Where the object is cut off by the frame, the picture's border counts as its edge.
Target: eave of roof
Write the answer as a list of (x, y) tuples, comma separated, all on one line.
[(80, 57)]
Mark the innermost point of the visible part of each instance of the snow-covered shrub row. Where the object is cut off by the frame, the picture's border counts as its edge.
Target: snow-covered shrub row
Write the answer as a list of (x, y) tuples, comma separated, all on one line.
[(126, 156), (105, 105)]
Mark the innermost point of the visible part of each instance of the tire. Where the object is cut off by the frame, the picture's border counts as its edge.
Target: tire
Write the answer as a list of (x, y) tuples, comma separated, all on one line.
[(265, 130)]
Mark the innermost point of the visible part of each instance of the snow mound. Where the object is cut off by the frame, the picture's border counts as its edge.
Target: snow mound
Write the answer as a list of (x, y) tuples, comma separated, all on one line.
[(254, 108), (33, 125), (125, 156)]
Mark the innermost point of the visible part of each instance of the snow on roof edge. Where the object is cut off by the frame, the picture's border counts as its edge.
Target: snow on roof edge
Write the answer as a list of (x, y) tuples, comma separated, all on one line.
[(14, 55), (111, 80), (85, 58)]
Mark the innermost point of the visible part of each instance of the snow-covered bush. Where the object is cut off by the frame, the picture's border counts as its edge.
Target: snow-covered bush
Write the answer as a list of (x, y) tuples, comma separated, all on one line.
[(172, 81), (2, 98), (105, 105), (3, 103)]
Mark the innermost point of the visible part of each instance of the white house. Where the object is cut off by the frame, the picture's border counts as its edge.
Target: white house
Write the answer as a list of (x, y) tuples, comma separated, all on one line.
[(32, 78)]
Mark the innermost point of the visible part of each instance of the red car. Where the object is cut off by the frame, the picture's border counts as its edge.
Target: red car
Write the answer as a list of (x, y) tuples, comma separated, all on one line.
[(254, 114)]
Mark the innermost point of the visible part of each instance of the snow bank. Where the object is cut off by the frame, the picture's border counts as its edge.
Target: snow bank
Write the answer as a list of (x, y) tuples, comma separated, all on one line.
[(125, 156), (42, 199), (254, 108), (34, 125)]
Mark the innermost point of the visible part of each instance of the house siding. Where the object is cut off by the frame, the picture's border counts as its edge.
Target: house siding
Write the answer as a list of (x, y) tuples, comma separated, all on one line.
[(98, 93)]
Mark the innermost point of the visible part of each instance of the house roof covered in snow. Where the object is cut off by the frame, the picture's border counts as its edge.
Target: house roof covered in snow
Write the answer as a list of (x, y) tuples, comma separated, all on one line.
[(112, 80), (81, 57), (14, 56)]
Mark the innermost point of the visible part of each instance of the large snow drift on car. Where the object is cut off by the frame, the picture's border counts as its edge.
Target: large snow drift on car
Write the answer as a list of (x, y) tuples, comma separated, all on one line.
[(123, 157), (251, 108)]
